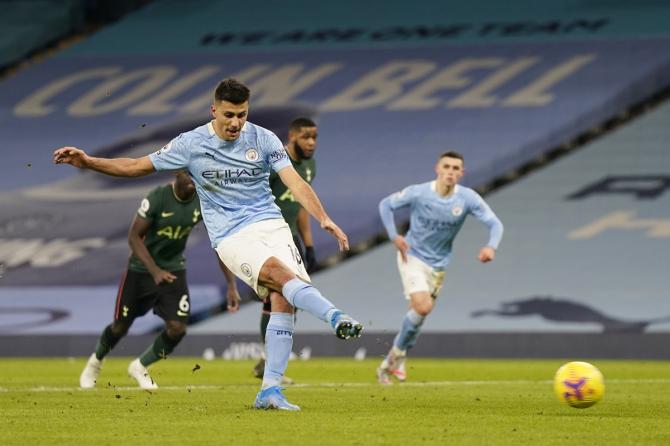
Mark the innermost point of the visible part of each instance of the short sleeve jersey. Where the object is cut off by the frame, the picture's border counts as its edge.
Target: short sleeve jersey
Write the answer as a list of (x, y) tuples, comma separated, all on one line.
[(171, 223), (435, 220), (231, 177)]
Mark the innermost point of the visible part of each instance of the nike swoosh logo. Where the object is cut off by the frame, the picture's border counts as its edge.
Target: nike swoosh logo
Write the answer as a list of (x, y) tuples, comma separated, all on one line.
[(181, 313), (167, 214)]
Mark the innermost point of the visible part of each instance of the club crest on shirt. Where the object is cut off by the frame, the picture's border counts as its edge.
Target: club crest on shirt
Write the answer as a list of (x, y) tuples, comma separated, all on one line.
[(457, 211), (246, 269), (251, 154)]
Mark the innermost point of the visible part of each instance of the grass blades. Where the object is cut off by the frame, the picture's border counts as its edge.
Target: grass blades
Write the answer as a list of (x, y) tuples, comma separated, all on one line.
[(478, 402)]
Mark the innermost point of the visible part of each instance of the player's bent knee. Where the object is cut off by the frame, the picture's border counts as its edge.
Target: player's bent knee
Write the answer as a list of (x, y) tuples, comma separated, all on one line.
[(280, 304), (119, 329), (423, 310), (175, 329), (274, 274), (423, 305)]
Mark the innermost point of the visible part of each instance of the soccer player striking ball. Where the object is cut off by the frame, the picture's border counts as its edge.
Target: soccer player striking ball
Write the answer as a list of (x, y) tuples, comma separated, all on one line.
[(229, 160), (156, 278), (302, 135), (437, 212)]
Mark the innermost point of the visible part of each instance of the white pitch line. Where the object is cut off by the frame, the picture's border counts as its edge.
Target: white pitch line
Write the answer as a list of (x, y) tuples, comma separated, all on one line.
[(124, 388), (328, 384), (477, 383)]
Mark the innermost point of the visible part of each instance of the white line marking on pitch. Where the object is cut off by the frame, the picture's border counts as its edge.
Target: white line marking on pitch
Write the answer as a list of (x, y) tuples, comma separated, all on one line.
[(328, 384)]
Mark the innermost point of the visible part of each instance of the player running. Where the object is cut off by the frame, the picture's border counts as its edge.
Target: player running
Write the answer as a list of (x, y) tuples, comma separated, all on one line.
[(156, 278), (437, 212)]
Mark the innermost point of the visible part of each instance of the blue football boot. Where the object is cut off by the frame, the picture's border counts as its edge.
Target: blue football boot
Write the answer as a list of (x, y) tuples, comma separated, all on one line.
[(272, 398)]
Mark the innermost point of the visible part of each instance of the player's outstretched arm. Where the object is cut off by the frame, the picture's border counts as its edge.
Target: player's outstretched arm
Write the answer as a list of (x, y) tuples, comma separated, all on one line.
[(117, 167), (306, 196)]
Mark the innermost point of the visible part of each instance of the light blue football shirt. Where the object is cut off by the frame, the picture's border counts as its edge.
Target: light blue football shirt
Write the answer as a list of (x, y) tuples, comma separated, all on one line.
[(435, 220), (231, 177)]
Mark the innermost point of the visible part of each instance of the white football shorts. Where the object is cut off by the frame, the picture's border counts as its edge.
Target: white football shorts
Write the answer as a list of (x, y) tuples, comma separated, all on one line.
[(246, 251), (417, 276)]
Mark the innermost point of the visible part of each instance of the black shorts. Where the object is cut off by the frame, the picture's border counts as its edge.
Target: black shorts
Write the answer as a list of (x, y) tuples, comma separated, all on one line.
[(138, 294)]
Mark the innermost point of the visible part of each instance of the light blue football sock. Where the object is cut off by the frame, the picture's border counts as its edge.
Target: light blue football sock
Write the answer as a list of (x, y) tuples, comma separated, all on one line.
[(307, 298), (278, 345), (411, 326)]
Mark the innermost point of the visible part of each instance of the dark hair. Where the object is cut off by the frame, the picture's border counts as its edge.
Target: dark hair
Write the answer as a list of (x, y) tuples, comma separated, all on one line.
[(452, 154), (231, 90), (299, 123)]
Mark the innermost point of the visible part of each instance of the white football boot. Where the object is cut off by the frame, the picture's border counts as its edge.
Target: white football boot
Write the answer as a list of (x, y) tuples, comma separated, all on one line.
[(393, 365), (399, 372), (89, 376), (141, 374)]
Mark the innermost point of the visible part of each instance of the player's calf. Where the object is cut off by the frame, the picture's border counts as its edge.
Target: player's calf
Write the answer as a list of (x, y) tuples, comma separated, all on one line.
[(259, 371)]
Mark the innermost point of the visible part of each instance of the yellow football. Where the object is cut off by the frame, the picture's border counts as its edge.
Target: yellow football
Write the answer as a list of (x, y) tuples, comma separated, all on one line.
[(579, 384)]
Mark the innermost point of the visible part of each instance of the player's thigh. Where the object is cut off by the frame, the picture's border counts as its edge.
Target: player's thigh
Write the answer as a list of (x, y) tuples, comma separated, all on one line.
[(419, 277), (414, 275), (136, 295), (174, 301), (246, 251)]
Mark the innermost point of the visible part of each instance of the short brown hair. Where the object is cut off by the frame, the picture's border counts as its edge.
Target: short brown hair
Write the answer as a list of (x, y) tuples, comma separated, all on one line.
[(452, 154), (233, 91)]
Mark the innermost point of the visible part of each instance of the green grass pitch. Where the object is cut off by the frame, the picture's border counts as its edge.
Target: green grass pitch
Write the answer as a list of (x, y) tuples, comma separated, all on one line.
[(480, 402)]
